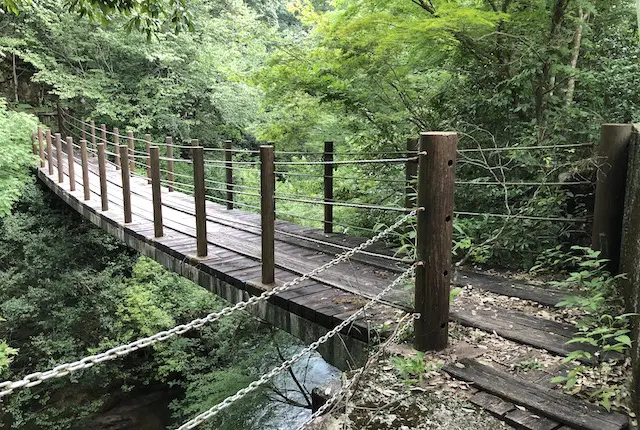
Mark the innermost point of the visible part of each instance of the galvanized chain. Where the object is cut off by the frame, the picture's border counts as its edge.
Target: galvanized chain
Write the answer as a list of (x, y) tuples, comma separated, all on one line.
[(61, 370), (405, 322), (288, 363)]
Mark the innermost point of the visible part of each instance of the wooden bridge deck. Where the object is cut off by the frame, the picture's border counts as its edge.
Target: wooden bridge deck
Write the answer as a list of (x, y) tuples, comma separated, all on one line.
[(234, 251), (232, 268)]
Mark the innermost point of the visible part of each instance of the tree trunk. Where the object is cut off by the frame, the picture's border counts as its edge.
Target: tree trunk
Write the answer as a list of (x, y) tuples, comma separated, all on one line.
[(577, 41), (15, 79)]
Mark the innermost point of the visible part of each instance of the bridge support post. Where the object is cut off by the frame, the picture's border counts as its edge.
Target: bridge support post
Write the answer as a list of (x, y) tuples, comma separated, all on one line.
[(41, 146), (83, 131), (199, 195), (123, 151), (93, 134), (155, 191), (72, 162), (34, 146), (610, 191), (59, 158), (267, 212), (132, 162), (85, 169), (147, 138), (436, 171), (411, 173), (102, 171), (328, 186), (228, 169), (49, 152), (116, 147), (169, 144)]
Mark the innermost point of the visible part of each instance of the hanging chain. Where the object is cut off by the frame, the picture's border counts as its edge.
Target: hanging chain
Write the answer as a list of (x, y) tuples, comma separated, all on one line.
[(285, 365), (61, 370)]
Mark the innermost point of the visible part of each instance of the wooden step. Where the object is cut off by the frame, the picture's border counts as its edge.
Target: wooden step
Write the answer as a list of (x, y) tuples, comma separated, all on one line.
[(556, 406)]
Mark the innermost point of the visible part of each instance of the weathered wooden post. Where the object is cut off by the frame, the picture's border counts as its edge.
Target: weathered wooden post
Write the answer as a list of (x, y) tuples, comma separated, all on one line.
[(49, 152), (59, 158), (103, 135), (169, 141), (610, 190), (41, 146), (155, 191), (83, 131), (34, 147), (411, 173), (85, 169), (197, 154), (132, 155), (72, 162), (123, 151), (147, 138), (228, 168), (436, 171), (93, 134), (102, 171), (328, 187), (267, 212), (116, 147)]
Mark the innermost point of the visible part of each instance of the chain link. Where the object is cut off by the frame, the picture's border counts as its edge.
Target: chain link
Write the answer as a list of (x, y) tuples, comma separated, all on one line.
[(288, 363), (403, 325), (64, 369)]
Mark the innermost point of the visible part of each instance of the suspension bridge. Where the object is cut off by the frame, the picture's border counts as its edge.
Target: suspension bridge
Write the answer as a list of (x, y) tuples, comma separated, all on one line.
[(333, 291)]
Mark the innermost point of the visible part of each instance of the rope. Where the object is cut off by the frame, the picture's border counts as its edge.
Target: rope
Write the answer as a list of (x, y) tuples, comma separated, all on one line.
[(526, 184), (61, 370), (525, 148), (242, 151), (242, 193), (223, 162), (346, 153), (288, 363), (371, 161), (348, 205), (536, 218), (219, 199), (395, 181), (289, 214)]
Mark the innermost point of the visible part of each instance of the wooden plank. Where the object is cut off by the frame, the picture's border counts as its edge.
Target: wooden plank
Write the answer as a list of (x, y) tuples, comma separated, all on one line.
[(507, 287), (525, 420), (555, 405), (492, 403)]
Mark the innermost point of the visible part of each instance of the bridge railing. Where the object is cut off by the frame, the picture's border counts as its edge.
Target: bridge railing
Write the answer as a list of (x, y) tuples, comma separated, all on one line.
[(431, 164)]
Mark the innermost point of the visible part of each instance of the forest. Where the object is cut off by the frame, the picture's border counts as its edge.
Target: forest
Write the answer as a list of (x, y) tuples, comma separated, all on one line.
[(526, 84)]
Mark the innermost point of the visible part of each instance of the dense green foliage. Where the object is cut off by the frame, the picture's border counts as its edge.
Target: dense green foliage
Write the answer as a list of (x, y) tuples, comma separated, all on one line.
[(69, 290), (15, 155)]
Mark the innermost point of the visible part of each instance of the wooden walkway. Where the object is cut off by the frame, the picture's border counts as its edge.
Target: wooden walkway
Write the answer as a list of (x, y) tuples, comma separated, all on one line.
[(232, 270), (328, 298)]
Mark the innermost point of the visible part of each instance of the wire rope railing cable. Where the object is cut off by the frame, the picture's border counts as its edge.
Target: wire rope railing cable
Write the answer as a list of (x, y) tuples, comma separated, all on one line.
[(36, 378), (322, 163), (524, 217), (210, 413), (343, 204), (525, 148)]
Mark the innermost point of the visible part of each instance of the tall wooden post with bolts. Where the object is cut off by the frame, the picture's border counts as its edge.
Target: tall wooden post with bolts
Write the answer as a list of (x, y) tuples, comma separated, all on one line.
[(71, 164), (154, 153), (132, 160), (436, 173), (102, 172), (199, 195), (123, 151), (267, 212), (610, 191), (116, 147), (328, 187), (49, 152), (85, 169), (228, 169), (59, 158)]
